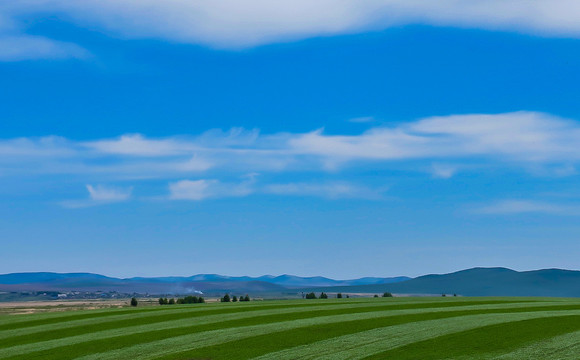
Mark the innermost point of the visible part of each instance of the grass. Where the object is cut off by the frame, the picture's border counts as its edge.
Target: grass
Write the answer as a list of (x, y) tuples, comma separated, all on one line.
[(398, 328)]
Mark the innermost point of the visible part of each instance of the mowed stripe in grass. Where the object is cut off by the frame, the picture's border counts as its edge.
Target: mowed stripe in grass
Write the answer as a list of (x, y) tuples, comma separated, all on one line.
[(362, 344), (155, 349), (132, 316), (113, 338), (11, 322), (8, 322), (562, 347), (267, 343), (486, 341), (62, 328), (47, 332), (32, 320), (23, 321), (224, 332)]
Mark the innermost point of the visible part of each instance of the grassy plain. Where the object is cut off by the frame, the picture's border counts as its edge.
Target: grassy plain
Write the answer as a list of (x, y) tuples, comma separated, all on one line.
[(362, 328)]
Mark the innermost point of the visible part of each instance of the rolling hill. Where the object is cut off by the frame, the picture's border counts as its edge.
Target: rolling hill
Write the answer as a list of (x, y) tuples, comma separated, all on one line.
[(47, 281), (470, 282), (480, 282)]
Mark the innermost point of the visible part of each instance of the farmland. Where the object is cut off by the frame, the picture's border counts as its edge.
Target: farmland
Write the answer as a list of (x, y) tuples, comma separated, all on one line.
[(361, 328)]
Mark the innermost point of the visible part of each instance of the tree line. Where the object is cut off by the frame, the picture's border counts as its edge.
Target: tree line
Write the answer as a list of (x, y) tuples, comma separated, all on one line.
[(323, 295), (227, 298), (185, 300)]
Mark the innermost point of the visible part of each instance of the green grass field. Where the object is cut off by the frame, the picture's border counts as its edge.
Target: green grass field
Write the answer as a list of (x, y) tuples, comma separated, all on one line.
[(376, 328)]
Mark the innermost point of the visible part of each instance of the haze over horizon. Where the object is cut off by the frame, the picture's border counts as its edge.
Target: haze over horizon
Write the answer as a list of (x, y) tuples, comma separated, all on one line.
[(390, 138)]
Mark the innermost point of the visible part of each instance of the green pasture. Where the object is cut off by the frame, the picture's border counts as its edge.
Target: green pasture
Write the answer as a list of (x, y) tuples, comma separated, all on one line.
[(375, 328)]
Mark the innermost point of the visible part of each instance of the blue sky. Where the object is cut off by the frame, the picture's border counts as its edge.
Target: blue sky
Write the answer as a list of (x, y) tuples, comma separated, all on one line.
[(339, 139)]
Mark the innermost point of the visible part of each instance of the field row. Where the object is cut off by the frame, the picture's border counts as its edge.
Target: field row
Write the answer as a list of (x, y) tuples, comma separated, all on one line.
[(309, 329)]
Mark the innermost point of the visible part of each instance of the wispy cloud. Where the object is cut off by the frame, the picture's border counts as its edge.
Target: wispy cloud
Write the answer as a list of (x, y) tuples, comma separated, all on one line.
[(25, 47), (518, 137), (527, 140), (204, 188), (362, 119), (233, 24), (108, 194), (201, 189), (443, 171), (137, 145), (100, 195), (514, 207), (198, 167), (333, 190)]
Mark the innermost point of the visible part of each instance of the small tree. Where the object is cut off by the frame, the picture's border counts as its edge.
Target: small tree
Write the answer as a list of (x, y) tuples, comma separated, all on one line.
[(200, 300), (235, 299), (246, 298), (387, 294), (339, 296), (311, 295), (323, 295), (226, 298), (134, 302), (172, 301), (165, 301), (376, 295), (347, 296), (161, 302)]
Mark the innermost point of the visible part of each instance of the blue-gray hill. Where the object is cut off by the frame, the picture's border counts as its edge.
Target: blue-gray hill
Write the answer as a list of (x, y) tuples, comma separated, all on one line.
[(480, 282), (46, 281)]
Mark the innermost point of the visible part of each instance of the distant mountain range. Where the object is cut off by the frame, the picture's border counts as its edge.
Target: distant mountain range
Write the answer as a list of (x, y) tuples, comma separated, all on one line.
[(47, 281), (470, 282), (479, 282)]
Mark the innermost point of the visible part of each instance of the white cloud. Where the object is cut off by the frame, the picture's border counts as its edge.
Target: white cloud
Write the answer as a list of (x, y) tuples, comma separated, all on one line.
[(44, 147), (514, 207), (26, 47), (239, 24), (443, 171), (208, 188), (137, 145), (332, 190), (191, 190), (525, 137), (201, 189), (541, 144), (100, 195), (362, 119), (103, 193)]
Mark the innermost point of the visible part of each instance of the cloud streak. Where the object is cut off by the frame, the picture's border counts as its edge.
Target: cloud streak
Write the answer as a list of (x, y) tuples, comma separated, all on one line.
[(232, 24), (100, 195), (108, 194), (203, 166), (25, 47), (332, 190), (516, 207), (518, 140), (202, 189)]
